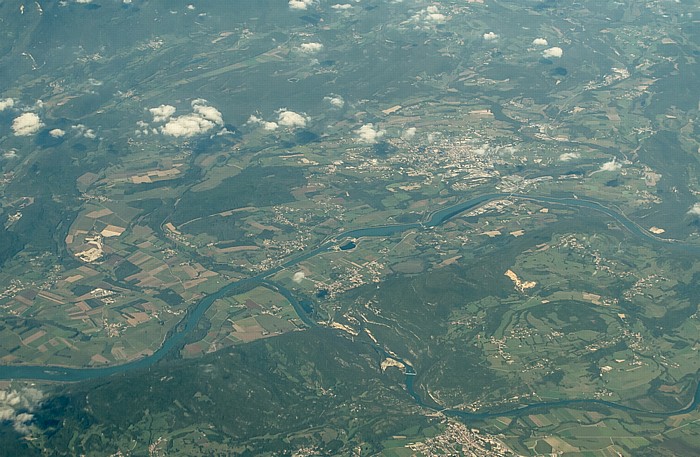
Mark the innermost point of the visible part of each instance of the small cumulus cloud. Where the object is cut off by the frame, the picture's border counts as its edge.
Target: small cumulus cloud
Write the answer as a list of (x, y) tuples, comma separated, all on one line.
[(162, 113), (11, 154), (341, 6), (26, 124), (202, 119), (554, 52), (298, 277), (83, 131), (83, 1), (300, 4), (568, 156), (201, 107), (285, 118), (408, 133), (694, 210), (433, 15), (368, 134), (490, 36), (255, 120), (16, 406), (143, 128), (291, 119), (613, 165), (6, 103), (57, 133), (336, 101), (186, 126), (540, 42), (429, 16), (310, 48)]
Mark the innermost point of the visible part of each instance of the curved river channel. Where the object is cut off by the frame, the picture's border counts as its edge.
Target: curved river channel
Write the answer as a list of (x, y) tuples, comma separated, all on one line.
[(177, 336)]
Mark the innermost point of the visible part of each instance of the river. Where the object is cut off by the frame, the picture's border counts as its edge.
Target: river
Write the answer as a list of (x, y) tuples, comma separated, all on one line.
[(177, 336)]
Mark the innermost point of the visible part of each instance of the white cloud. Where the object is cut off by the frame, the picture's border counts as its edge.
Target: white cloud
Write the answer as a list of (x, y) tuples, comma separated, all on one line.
[(187, 125), (694, 210), (438, 18), (162, 113), (490, 36), (368, 134), (255, 120), (300, 4), (6, 104), (84, 131), (554, 52), (298, 277), (430, 15), (57, 133), (11, 154), (291, 119), (201, 120), (433, 15), (207, 112), (567, 156), (310, 48), (16, 406), (83, 1), (613, 165), (409, 133), (285, 118), (143, 128), (342, 6), (336, 101), (540, 42), (26, 124)]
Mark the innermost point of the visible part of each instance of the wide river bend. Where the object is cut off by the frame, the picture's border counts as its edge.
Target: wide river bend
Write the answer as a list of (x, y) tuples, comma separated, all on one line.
[(177, 336)]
